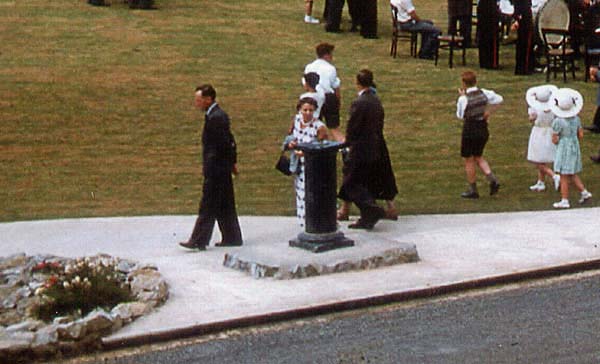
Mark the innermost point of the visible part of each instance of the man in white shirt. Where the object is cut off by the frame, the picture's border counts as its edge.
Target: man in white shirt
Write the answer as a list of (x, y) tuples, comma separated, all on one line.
[(330, 84), (410, 21)]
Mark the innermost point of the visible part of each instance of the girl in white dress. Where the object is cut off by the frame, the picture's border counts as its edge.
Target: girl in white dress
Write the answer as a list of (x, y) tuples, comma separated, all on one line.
[(307, 129), (541, 150)]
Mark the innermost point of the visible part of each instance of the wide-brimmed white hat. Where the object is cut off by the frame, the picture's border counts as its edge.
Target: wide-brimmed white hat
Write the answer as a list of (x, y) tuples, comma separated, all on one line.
[(566, 103), (539, 97)]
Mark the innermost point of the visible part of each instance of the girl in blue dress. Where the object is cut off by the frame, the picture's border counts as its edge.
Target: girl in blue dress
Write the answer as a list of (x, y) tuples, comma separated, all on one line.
[(567, 103)]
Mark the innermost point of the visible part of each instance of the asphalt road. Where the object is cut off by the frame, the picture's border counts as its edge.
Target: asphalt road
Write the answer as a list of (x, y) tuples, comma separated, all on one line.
[(549, 321)]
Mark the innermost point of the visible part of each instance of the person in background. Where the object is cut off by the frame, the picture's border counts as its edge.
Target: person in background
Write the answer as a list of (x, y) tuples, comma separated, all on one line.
[(330, 84), (310, 82), (474, 106), (595, 127), (410, 21), (566, 105), (523, 24)]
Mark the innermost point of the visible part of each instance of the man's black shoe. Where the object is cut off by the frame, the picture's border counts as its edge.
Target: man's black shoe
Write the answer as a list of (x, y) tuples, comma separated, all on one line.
[(361, 224), (233, 243), (190, 245), (469, 194), (494, 187), (595, 158)]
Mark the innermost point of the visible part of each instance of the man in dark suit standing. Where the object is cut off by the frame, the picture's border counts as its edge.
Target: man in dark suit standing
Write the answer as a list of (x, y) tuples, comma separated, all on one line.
[(219, 162), (367, 171)]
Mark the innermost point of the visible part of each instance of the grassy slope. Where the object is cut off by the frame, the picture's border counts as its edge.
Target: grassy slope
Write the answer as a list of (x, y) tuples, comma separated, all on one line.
[(97, 118)]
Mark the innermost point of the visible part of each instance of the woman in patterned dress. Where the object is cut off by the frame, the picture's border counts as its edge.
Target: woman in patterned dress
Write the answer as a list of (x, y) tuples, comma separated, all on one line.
[(306, 129), (567, 103)]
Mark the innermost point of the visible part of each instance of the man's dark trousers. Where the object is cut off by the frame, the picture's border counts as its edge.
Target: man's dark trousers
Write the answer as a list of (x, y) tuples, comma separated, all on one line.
[(218, 203), (333, 16)]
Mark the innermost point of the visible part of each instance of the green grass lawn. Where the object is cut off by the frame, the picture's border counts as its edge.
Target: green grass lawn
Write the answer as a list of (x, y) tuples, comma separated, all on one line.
[(96, 114)]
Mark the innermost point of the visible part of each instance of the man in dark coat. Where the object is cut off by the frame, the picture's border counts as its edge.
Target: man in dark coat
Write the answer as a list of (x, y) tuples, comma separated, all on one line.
[(367, 171), (219, 159), (460, 11), (524, 26)]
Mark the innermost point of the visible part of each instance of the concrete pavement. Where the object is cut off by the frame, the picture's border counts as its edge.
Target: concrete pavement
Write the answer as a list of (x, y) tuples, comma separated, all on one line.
[(456, 251)]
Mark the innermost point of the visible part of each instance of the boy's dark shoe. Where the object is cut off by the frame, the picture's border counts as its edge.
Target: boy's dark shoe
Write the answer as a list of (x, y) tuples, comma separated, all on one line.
[(469, 194), (494, 187)]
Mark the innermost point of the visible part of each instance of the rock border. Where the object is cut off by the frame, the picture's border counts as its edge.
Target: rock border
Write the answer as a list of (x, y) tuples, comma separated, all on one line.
[(34, 339), (403, 253)]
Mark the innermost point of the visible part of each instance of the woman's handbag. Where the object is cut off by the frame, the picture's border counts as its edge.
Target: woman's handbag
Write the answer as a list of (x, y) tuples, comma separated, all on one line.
[(283, 164)]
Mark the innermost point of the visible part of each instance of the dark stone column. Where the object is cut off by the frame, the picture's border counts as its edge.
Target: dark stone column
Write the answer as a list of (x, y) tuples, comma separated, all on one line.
[(320, 226)]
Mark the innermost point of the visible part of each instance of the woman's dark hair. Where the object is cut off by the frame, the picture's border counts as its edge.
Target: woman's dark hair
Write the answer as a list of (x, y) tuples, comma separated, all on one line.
[(365, 78), (207, 90), (312, 79), (307, 100)]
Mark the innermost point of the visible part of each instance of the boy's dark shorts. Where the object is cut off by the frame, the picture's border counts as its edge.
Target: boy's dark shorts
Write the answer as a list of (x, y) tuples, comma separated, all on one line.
[(473, 142), (330, 112)]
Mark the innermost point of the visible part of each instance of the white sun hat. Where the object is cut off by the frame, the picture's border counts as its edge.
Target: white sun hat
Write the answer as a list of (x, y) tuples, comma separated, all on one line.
[(539, 97), (566, 103)]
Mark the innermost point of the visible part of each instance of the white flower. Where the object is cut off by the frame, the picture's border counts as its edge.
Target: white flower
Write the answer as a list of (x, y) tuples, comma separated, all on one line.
[(66, 284)]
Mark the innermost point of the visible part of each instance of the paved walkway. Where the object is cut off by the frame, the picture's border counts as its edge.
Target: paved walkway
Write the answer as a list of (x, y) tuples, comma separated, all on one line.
[(455, 251)]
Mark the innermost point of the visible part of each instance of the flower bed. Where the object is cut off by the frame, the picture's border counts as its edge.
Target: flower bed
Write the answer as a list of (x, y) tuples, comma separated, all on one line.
[(53, 306)]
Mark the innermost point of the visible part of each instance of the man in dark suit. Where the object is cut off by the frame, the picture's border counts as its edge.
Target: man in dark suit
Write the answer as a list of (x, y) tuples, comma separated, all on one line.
[(219, 162), (367, 171)]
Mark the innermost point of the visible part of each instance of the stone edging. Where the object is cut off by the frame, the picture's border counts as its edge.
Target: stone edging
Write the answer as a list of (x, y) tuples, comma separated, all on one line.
[(31, 338), (404, 253)]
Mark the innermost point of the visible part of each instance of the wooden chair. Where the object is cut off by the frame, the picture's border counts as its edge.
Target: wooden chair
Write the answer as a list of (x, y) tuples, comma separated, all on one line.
[(451, 42), (559, 54), (398, 33)]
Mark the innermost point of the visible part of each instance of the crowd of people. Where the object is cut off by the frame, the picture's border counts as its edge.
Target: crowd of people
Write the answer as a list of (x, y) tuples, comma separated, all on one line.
[(367, 169)]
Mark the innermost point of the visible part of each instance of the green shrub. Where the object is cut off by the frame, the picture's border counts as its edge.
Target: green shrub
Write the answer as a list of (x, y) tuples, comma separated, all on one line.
[(80, 288)]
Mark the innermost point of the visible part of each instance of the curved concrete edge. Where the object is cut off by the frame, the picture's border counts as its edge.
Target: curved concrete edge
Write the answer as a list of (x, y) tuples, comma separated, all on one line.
[(352, 304)]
